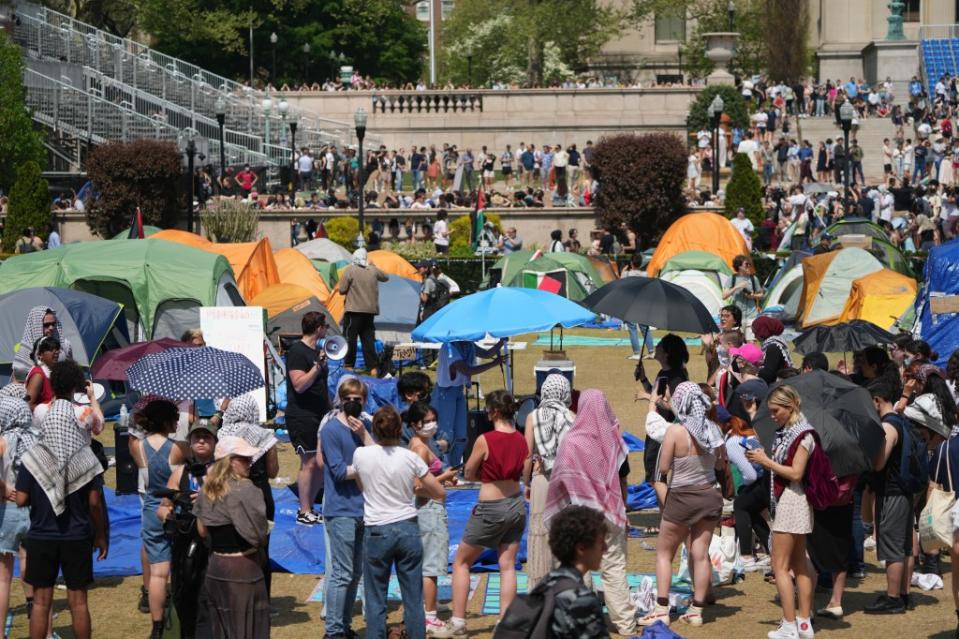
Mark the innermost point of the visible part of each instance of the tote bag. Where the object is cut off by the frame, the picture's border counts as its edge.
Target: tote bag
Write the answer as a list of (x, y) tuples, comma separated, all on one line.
[(935, 524)]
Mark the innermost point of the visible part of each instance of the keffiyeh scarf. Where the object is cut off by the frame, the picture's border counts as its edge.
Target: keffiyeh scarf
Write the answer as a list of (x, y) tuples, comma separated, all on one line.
[(777, 341), (32, 331), (586, 471), (691, 406), (552, 418), (242, 419), (16, 426), (785, 438), (62, 461), (15, 390)]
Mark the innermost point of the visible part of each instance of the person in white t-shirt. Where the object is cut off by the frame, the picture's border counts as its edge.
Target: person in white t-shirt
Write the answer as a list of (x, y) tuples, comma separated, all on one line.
[(744, 226), (389, 474), (441, 233), (751, 149)]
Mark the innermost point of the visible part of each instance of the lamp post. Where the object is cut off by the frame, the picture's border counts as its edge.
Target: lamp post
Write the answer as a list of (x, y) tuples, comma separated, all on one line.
[(189, 136), (715, 113), (731, 12), (846, 115), (283, 106), (220, 108), (359, 119), (267, 108), (273, 40), (469, 67), (306, 59), (332, 64), (293, 175)]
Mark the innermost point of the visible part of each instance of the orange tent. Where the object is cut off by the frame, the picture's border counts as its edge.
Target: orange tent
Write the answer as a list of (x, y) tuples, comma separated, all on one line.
[(280, 297), (607, 269), (708, 232), (394, 264), (296, 268), (252, 262), (881, 298)]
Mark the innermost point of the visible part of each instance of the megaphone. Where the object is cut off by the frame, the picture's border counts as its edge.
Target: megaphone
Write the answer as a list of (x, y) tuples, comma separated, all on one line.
[(335, 347)]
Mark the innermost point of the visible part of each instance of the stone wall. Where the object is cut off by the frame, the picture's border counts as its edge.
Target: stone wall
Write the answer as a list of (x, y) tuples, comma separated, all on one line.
[(497, 118)]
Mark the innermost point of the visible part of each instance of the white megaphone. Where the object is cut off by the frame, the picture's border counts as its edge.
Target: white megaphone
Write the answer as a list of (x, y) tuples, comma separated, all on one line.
[(335, 347)]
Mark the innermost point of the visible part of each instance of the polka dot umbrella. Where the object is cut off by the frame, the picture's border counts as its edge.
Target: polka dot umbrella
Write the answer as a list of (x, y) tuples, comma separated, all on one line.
[(195, 373)]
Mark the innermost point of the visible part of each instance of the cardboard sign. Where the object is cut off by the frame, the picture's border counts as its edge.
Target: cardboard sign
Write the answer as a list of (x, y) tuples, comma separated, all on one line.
[(238, 329), (943, 304)]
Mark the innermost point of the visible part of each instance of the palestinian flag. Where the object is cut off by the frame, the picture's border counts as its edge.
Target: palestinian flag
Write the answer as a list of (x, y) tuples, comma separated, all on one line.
[(477, 219), (136, 226)]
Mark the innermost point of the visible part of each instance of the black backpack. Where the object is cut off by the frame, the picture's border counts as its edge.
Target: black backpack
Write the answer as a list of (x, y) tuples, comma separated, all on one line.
[(530, 616), (913, 474), (439, 298)]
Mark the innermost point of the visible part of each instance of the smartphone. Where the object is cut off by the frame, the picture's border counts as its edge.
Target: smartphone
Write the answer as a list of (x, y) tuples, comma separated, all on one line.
[(457, 467)]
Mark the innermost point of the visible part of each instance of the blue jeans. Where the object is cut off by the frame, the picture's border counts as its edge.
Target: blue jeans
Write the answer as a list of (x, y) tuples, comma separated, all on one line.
[(388, 545), (856, 558), (343, 573), (450, 403), (634, 330)]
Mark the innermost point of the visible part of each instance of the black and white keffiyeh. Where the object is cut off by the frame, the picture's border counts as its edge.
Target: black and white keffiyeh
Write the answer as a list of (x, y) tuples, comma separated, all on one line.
[(15, 390), (552, 418), (777, 341), (32, 331), (242, 419), (785, 438), (62, 461), (16, 426), (691, 406)]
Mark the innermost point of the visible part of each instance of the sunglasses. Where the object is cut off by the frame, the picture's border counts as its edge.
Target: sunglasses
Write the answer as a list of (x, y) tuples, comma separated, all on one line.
[(49, 325)]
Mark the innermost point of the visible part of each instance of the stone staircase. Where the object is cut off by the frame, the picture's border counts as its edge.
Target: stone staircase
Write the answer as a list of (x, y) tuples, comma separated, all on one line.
[(870, 135)]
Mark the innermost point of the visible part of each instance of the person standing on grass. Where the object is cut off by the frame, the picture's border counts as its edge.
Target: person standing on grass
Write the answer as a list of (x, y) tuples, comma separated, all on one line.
[(360, 284), (791, 512), (499, 518), (308, 401)]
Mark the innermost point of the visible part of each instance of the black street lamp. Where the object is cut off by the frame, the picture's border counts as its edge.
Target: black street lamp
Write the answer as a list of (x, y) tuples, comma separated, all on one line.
[(273, 40), (306, 59), (715, 114), (731, 11), (359, 119), (293, 173), (190, 148), (220, 108), (846, 115)]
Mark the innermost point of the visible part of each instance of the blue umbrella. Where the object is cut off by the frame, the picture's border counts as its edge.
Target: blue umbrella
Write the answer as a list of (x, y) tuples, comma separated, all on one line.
[(500, 312), (195, 373)]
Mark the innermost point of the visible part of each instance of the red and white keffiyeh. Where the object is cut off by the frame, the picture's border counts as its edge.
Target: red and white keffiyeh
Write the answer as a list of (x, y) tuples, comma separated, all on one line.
[(586, 470)]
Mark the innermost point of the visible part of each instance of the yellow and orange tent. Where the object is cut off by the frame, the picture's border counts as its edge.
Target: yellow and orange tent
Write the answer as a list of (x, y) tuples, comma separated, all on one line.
[(827, 283), (708, 232), (296, 268), (881, 298), (394, 264), (252, 262)]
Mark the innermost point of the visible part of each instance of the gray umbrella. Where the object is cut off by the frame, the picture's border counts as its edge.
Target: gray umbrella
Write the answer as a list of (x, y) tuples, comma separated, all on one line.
[(842, 414)]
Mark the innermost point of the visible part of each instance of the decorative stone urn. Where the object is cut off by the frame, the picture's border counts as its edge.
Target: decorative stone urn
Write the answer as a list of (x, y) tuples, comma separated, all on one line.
[(720, 49)]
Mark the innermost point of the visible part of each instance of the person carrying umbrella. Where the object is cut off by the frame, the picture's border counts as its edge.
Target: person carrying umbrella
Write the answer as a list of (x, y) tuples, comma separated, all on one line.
[(41, 322)]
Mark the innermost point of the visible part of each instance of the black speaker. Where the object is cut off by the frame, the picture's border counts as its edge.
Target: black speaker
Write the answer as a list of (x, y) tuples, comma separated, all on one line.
[(477, 423), (125, 466)]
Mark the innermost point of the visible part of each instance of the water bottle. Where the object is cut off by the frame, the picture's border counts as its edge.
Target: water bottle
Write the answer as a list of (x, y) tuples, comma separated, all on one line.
[(124, 416)]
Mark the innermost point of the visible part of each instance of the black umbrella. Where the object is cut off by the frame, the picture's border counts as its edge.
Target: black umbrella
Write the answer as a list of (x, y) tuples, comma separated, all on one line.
[(842, 414), (842, 338), (652, 302)]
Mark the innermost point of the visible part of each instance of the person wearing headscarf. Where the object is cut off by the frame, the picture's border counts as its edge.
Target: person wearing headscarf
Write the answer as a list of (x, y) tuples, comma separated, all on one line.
[(692, 503), (791, 513), (46, 352), (359, 283), (242, 419), (768, 331), (60, 479), (545, 428), (18, 436), (231, 514), (41, 322), (15, 389), (590, 469)]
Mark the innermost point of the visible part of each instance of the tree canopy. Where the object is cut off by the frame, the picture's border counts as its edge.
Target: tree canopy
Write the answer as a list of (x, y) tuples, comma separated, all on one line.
[(19, 141)]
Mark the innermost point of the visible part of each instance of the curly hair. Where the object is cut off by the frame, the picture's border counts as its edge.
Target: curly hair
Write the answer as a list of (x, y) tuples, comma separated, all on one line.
[(574, 525), (66, 378)]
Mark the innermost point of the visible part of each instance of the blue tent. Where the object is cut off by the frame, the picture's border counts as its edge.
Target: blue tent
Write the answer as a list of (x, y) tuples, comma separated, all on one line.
[(399, 308), (938, 301)]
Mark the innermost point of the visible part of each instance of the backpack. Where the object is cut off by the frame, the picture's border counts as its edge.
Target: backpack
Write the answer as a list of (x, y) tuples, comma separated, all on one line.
[(439, 298), (26, 247), (821, 485), (913, 474), (530, 616)]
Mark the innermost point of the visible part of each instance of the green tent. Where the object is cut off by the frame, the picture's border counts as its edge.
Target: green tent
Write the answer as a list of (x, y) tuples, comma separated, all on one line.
[(857, 226), (547, 274), (148, 230), (160, 284), (328, 271), (578, 264), (890, 256), (696, 261), (506, 268)]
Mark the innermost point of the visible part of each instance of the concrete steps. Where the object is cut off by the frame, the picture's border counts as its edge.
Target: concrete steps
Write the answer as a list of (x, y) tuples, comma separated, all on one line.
[(870, 135)]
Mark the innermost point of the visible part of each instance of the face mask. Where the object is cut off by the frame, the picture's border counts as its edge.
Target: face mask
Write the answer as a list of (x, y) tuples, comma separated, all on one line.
[(352, 408), (722, 354), (428, 429)]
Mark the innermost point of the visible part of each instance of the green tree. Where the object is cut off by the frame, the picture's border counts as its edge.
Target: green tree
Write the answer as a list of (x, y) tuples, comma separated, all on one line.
[(377, 37), (29, 205), (528, 41), (744, 190), (733, 105), (19, 141), (640, 182), (118, 17)]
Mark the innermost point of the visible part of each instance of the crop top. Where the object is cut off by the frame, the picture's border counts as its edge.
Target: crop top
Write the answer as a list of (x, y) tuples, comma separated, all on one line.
[(506, 456), (436, 466), (226, 540)]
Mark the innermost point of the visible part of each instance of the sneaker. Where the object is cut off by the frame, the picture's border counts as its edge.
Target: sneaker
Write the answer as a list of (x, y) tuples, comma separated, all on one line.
[(869, 543), (458, 632), (885, 605), (693, 616), (659, 613), (756, 564), (317, 516), (306, 519), (438, 629), (786, 630), (834, 613), (804, 628), (143, 605)]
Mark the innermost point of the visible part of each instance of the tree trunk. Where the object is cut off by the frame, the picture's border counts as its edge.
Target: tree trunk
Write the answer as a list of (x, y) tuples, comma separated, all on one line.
[(534, 65), (786, 39)]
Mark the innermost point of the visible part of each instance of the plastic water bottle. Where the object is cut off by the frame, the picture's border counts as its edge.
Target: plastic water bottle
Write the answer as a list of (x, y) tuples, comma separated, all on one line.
[(8, 624), (124, 416)]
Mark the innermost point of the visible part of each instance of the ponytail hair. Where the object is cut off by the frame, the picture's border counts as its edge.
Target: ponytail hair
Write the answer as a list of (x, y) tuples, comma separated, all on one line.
[(216, 484), (502, 403)]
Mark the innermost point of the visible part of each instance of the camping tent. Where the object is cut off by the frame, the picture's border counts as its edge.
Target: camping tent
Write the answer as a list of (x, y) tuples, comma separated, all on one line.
[(160, 284), (880, 297), (857, 226), (938, 304), (703, 285), (785, 293), (285, 305), (547, 274), (827, 282), (87, 320), (608, 269), (295, 268), (580, 264), (252, 262), (890, 256), (696, 260), (328, 271), (708, 232), (323, 249), (399, 309), (148, 231), (506, 268), (394, 264)]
